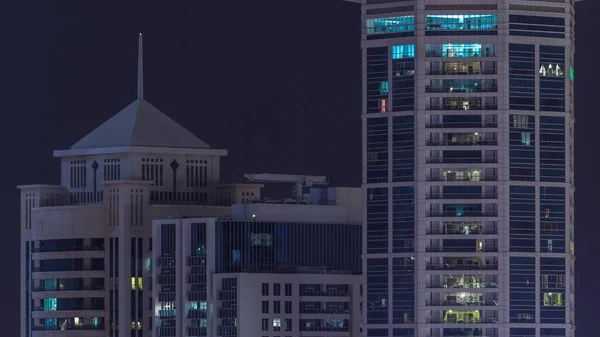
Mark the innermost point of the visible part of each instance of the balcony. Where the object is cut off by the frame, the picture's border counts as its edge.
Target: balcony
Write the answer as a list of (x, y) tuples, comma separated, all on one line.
[(436, 266), (53, 270), (465, 160), (431, 303), (325, 311), (77, 308), (459, 54), (453, 107), (460, 125), (462, 214), (87, 248), (473, 321), (462, 231), (69, 288), (464, 178), (473, 71), (473, 285), (462, 90), (72, 327), (196, 313), (461, 143), (324, 328), (435, 196), (440, 249), (325, 293)]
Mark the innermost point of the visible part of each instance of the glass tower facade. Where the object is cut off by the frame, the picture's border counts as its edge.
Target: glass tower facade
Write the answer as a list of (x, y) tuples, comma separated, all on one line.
[(468, 168)]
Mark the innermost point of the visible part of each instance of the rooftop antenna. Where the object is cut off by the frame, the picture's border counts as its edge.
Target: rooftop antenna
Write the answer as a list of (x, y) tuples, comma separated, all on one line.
[(140, 84)]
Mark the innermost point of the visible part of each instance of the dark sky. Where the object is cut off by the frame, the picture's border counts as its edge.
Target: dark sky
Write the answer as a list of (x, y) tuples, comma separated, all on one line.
[(277, 83)]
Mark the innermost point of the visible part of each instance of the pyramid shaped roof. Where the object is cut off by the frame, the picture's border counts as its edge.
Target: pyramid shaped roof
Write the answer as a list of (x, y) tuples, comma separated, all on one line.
[(140, 124)]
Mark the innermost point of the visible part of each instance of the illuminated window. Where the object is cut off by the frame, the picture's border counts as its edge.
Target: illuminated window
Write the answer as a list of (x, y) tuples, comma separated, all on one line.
[(403, 51), (50, 304), (520, 121), (571, 74), (136, 283), (149, 264), (461, 50), (390, 25), (384, 88), (553, 300), (552, 70), (136, 325), (276, 324), (383, 105), (462, 316), (461, 22), (526, 138)]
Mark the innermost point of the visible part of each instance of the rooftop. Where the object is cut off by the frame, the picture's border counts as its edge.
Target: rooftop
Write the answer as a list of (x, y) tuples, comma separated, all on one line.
[(140, 124)]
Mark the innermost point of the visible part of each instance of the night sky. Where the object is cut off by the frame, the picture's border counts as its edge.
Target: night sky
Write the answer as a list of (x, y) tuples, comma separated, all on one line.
[(277, 83)]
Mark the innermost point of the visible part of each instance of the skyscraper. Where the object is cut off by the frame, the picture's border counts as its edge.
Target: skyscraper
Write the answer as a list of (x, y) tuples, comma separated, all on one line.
[(468, 167), (85, 244)]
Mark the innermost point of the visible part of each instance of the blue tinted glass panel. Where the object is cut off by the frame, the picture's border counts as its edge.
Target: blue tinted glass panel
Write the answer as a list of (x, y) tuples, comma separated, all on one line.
[(552, 74), (377, 300), (522, 332), (553, 332), (522, 289), (537, 26), (403, 155), (522, 147), (390, 27), (460, 50), (461, 22), (377, 220), (403, 51), (403, 219), (552, 220), (281, 247), (522, 71), (552, 290), (522, 219), (552, 149), (403, 300), (403, 84), (377, 78), (377, 150)]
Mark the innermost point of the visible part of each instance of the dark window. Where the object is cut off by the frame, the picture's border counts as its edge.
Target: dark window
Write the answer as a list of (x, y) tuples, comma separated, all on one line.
[(276, 289), (552, 149), (377, 80), (288, 289), (265, 289), (537, 26), (403, 296), (522, 219), (403, 147), (265, 307), (403, 219), (377, 150), (288, 307), (377, 300), (522, 147), (552, 74), (522, 289), (377, 220), (522, 76)]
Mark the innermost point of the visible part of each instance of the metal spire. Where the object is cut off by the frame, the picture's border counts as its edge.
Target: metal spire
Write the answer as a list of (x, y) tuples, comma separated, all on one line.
[(140, 92)]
